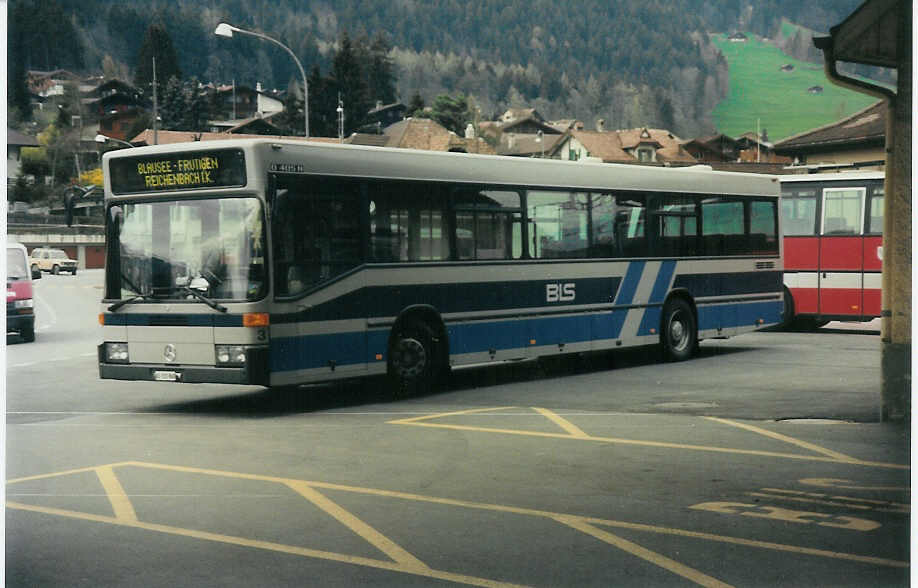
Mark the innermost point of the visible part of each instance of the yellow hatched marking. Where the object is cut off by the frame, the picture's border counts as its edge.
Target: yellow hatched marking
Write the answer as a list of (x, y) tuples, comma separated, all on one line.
[(359, 527), (268, 545), (449, 502), (660, 444), (850, 485), (121, 504), (565, 424), (651, 556), (828, 452)]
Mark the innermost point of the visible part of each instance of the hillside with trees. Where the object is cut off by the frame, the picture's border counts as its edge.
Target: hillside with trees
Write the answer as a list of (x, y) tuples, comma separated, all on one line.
[(631, 62)]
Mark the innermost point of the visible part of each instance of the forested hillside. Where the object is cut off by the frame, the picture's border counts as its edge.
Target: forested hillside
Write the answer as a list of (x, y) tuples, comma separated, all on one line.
[(629, 62)]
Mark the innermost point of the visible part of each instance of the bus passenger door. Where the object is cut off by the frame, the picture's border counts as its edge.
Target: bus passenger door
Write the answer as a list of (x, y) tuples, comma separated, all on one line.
[(841, 249), (873, 255)]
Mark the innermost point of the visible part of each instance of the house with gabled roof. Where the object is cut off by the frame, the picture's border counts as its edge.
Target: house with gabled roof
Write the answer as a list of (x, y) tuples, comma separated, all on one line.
[(856, 141), (650, 146), (717, 148)]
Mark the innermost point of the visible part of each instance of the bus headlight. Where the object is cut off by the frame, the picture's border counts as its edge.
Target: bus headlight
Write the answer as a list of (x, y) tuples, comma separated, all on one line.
[(116, 352), (230, 355)]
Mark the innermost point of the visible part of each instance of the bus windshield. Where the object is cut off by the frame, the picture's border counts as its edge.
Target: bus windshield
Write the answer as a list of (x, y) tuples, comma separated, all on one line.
[(215, 247)]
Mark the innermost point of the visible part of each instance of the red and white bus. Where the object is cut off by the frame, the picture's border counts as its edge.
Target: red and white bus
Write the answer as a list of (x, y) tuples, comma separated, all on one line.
[(833, 247)]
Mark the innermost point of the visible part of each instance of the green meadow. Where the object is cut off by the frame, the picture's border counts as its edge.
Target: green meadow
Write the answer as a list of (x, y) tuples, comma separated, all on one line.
[(778, 100)]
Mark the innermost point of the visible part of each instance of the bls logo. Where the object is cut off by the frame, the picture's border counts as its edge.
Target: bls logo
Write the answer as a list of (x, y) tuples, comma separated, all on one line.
[(559, 292)]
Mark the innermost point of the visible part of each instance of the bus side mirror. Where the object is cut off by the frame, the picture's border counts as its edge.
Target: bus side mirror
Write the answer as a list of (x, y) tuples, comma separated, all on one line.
[(115, 220)]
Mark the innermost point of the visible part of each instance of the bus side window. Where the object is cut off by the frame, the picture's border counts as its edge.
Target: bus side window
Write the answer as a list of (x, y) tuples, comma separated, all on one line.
[(488, 224), (842, 211), (557, 224), (602, 228), (722, 225), (630, 215), (876, 211), (406, 223), (798, 212)]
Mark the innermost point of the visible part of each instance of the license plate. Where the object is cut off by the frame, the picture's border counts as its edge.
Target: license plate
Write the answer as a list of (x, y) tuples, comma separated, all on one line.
[(166, 376)]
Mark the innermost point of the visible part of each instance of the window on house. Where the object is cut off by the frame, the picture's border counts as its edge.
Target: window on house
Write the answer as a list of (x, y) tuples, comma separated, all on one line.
[(645, 154)]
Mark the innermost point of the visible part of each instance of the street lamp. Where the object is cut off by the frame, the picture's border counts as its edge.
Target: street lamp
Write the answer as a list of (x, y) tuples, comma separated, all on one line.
[(100, 138), (226, 30)]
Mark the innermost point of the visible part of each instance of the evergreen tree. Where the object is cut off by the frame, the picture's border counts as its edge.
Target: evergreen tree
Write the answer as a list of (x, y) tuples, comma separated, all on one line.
[(416, 106), (156, 44), (452, 113), (323, 101), (381, 76), (350, 83)]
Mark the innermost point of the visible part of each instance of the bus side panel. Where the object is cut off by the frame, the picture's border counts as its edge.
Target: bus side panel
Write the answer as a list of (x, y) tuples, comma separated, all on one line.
[(801, 264), (873, 275), (840, 275)]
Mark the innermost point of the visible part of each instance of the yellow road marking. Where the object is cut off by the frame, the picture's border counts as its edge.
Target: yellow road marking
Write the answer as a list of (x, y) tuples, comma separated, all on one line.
[(464, 504), (846, 501), (359, 527), (413, 420), (643, 553), (828, 452), (849, 485), (267, 545), (660, 444), (565, 424), (121, 504), (787, 515)]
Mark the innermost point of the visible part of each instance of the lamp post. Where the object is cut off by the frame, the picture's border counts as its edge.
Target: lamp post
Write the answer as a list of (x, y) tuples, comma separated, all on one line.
[(100, 138), (226, 30)]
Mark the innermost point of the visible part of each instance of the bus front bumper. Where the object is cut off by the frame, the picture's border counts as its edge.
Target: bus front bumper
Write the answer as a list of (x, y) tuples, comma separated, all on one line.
[(254, 372)]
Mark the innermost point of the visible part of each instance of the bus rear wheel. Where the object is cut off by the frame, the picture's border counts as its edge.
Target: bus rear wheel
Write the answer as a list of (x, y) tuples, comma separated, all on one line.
[(678, 333), (412, 360)]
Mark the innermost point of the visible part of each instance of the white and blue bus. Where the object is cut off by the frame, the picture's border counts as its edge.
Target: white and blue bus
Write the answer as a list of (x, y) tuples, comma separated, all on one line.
[(283, 262)]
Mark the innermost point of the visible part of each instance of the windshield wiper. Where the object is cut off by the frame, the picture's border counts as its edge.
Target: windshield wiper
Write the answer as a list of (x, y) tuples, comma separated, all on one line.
[(126, 301), (211, 303)]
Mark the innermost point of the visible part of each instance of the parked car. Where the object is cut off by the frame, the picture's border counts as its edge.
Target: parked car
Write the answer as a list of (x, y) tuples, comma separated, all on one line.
[(20, 308), (52, 260)]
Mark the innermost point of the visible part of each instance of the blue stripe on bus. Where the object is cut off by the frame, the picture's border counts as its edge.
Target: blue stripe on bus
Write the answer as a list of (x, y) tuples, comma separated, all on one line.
[(630, 283), (661, 284), (173, 320), (317, 351)]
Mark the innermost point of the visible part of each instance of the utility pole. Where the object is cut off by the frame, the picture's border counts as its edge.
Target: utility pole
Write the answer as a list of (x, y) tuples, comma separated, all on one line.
[(155, 110)]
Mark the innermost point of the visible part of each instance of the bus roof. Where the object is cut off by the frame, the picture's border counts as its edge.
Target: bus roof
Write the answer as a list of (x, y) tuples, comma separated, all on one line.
[(307, 157), (835, 177)]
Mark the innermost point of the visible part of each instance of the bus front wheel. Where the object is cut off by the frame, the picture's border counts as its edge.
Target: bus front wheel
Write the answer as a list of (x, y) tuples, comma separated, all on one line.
[(412, 359), (679, 334)]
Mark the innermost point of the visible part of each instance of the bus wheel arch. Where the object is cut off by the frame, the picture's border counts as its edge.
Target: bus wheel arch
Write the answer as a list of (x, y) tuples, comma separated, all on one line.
[(679, 327), (418, 351)]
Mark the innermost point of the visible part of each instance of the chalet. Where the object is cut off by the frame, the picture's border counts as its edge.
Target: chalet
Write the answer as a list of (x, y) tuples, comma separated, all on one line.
[(738, 38), (650, 146), (242, 102), (116, 105), (50, 83), (717, 148), (857, 141), (755, 148), (383, 115), (517, 130), (787, 67), (814, 89), (15, 141)]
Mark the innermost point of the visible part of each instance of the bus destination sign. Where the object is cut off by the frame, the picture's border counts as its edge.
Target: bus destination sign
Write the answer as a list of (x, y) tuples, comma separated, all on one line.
[(218, 168)]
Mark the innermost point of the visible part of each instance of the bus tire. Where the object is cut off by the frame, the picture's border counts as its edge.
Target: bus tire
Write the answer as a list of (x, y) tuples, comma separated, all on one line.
[(27, 334), (56, 270), (412, 359), (678, 330), (787, 314)]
